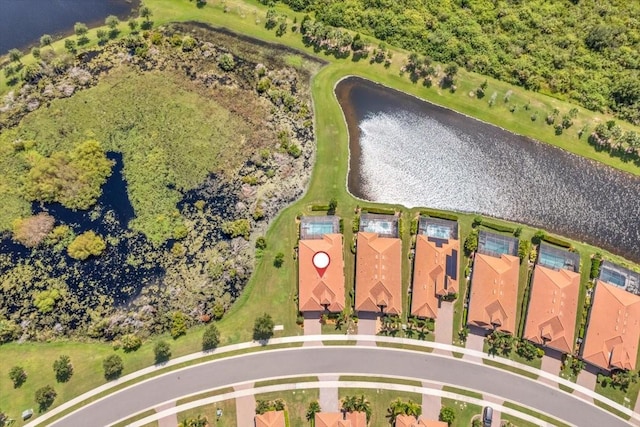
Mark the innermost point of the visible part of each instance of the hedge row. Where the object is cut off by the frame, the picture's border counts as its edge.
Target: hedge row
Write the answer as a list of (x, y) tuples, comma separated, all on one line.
[(556, 241), (380, 211), (319, 208), (438, 214), (499, 227)]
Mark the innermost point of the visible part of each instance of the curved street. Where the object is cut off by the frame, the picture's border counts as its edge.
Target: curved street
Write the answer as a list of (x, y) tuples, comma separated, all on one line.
[(340, 360)]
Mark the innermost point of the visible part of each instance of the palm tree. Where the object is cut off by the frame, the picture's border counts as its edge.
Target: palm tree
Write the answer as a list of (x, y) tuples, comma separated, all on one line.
[(349, 403), (397, 407), (314, 407)]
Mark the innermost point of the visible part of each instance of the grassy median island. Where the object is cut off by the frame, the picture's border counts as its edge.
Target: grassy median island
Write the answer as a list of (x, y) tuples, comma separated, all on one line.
[(277, 285)]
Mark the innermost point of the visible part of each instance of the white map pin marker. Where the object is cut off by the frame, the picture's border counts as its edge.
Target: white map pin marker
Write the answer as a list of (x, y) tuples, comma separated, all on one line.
[(321, 261)]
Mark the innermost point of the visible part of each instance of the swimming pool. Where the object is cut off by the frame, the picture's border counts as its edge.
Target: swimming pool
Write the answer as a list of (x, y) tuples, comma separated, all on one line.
[(613, 277), (438, 231)]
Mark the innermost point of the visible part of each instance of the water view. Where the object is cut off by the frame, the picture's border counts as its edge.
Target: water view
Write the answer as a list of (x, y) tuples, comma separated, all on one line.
[(22, 22), (410, 152)]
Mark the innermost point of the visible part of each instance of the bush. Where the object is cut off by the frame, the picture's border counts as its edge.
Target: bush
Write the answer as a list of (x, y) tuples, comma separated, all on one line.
[(63, 369), (379, 210), (210, 338), (240, 227), (70, 45), (113, 367), (18, 375), (499, 227), (226, 62), (218, 311), (45, 396), (85, 245), (263, 328), (32, 231), (523, 249), (278, 260), (45, 40), (471, 242), (130, 342), (556, 241), (112, 21), (162, 352), (261, 243), (447, 415), (538, 237), (596, 261), (178, 324), (188, 44)]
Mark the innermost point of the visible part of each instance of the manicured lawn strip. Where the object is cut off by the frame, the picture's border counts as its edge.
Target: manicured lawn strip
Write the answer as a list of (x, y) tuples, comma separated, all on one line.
[(528, 411), (610, 409), (136, 418), (517, 422), (380, 380), (380, 400), (618, 395), (204, 395), (228, 418), (408, 346), (349, 342), (465, 412), (297, 402), (462, 392), (536, 362)]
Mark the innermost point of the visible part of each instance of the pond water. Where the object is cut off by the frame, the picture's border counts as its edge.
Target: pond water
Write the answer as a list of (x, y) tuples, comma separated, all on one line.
[(407, 151), (22, 22)]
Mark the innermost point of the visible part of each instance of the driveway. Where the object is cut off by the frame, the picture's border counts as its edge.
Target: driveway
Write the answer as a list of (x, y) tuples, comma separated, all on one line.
[(551, 364), (587, 378), (431, 404), (367, 325), (444, 323), (307, 361), (245, 407), (475, 341)]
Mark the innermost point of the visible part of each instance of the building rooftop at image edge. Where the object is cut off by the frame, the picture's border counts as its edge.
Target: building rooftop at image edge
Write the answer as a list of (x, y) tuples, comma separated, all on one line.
[(378, 274), (553, 307), (337, 419), (270, 419), (411, 421), (314, 227), (494, 292), (613, 329), (327, 291)]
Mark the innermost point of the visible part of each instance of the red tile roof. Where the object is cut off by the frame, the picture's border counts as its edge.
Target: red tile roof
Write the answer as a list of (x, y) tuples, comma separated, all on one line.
[(553, 307), (429, 275), (614, 328), (494, 292), (316, 291), (270, 419), (378, 273), (410, 421), (336, 419)]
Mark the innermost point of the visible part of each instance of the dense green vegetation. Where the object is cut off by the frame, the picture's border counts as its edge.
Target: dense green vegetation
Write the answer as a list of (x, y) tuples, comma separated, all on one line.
[(586, 51)]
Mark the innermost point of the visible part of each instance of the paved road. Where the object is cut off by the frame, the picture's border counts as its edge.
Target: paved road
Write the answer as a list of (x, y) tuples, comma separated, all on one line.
[(372, 360)]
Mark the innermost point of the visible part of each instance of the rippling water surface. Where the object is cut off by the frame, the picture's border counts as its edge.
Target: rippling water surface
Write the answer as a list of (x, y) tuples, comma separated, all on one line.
[(410, 152)]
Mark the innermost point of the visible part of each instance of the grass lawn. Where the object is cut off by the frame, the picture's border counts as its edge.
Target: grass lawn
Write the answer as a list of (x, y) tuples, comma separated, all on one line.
[(465, 412), (278, 286), (297, 402), (550, 420), (381, 380), (626, 398), (380, 400), (516, 422), (228, 418)]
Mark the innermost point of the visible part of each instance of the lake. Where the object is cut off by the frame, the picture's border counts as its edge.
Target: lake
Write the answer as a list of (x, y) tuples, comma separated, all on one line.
[(410, 152), (22, 22)]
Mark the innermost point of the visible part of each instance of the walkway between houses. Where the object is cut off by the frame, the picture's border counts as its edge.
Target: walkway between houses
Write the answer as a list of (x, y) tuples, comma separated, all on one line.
[(245, 406)]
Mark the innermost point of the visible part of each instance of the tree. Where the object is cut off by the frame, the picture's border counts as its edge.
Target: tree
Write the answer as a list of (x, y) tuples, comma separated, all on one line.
[(45, 40), (112, 366), (86, 245), (471, 242), (112, 21), (261, 243), (263, 327), (63, 368), (70, 45), (357, 404), (398, 407), (130, 342), (18, 375), (211, 337), (162, 351), (35, 52), (240, 227), (15, 55), (80, 29), (178, 324), (523, 249), (447, 415), (333, 204), (32, 231), (45, 396), (133, 25), (145, 13), (312, 410), (278, 260), (4, 419)]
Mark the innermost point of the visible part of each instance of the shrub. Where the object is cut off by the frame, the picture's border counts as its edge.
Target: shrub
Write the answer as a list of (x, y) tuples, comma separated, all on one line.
[(596, 261), (45, 396), (9, 331), (188, 44), (556, 241), (447, 415), (45, 40), (112, 366), (226, 62), (523, 249), (70, 45), (63, 368), (112, 21), (18, 376), (130, 342), (162, 352), (294, 150), (178, 324), (278, 260), (210, 338), (263, 327), (538, 237), (85, 245), (471, 242), (218, 311), (240, 227), (261, 243)]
